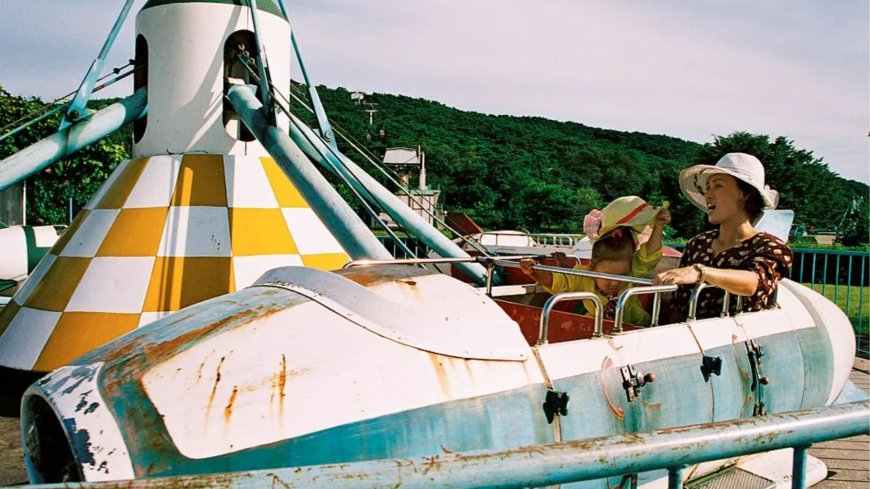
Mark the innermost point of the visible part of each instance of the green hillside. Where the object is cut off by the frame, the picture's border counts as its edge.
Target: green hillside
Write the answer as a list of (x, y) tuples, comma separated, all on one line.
[(506, 172), (544, 175)]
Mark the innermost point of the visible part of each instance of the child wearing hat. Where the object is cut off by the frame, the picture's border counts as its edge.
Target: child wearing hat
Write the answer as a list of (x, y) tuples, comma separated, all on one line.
[(615, 232)]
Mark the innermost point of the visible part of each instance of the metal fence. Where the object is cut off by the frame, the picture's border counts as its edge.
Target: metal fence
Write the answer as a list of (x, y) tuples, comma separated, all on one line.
[(842, 277), (419, 249)]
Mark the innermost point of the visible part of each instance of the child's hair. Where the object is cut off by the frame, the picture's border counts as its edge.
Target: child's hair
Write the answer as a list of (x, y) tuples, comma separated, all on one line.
[(617, 245)]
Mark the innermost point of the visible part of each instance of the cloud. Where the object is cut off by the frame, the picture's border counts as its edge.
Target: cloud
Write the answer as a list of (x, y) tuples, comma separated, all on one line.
[(688, 69)]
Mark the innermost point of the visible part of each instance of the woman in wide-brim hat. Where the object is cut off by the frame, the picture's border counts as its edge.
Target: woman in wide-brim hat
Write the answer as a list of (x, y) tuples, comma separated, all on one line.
[(735, 256)]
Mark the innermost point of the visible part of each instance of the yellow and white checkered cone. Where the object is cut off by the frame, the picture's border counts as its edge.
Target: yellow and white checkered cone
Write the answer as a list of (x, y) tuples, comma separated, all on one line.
[(162, 233)]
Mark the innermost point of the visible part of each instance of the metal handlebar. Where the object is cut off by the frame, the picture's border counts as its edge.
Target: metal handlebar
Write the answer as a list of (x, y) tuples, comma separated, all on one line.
[(551, 302), (693, 303), (726, 302), (628, 293)]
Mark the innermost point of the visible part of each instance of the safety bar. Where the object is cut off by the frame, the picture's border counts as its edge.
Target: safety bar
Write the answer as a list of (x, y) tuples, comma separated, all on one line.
[(553, 300), (581, 273), (726, 302), (631, 292), (409, 261), (555, 463), (693, 303)]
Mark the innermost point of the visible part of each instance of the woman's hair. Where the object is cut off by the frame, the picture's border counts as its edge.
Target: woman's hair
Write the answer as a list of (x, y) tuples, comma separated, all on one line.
[(617, 245), (753, 205)]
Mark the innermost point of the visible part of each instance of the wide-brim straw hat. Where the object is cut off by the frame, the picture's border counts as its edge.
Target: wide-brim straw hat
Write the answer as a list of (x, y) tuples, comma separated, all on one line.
[(742, 166), (630, 211)]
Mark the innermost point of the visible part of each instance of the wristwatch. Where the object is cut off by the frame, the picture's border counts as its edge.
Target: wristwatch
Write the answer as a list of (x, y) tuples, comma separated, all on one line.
[(702, 273)]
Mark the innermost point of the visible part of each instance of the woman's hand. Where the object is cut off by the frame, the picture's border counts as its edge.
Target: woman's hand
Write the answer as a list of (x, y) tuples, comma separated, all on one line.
[(678, 276)]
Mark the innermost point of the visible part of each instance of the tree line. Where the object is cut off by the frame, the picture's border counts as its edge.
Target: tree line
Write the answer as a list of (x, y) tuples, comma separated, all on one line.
[(506, 172)]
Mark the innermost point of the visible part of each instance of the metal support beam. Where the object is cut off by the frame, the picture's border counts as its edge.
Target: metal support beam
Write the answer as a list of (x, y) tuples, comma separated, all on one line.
[(76, 109), (350, 231), (71, 139), (799, 468), (322, 121), (367, 186), (262, 74)]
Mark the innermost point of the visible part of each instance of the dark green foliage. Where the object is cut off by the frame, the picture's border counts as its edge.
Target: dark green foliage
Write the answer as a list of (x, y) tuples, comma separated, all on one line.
[(506, 172), (516, 172), (80, 175), (819, 197)]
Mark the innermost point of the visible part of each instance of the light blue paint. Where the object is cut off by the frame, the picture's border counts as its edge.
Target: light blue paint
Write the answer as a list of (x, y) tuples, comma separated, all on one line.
[(66, 141), (557, 463), (76, 108)]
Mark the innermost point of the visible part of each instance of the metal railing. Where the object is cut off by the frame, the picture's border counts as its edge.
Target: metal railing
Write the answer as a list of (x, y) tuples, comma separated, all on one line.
[(842, 277), (657, 290), (567, 296), (623, 455)]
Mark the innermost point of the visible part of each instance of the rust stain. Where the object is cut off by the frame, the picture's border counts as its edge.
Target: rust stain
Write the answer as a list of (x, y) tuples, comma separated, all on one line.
[(618, 411), (278, 480), (445, 449), (650, 405), (430, 465), (228, 410), (199, 371), (217, 380), (443, 381), (378, 274), (155, 352), (743, 373), (282, 377), (282, 381)]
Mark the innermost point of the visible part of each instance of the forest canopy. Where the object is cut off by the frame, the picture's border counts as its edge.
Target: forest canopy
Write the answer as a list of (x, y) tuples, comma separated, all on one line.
[(506, 172)]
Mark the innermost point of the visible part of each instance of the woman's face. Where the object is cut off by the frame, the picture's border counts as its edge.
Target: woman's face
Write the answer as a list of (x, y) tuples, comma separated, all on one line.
[(724, 199), (613, 267)]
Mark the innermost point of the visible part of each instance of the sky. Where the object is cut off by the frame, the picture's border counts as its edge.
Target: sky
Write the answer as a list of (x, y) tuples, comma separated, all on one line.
[(692, 69)]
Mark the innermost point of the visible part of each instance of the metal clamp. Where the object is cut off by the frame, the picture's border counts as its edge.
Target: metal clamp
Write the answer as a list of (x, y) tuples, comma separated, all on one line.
[(552, 301), (633, 380), (628, 293)]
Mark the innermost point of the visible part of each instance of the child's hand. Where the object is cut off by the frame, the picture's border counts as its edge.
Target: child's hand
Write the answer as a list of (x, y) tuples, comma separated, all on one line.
[(526, 265), (561, 259), (663, 217)]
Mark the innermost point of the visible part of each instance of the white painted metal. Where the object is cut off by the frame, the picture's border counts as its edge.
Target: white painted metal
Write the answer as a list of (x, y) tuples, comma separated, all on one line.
[(827, 315), (457, 330), (13, 243), (156, 184), (14, 246), (235, 398), (186, 75), (34, 279), (25, 336), (196, 231), (74, 391), (113, 285), (580, 357), (89, 236)]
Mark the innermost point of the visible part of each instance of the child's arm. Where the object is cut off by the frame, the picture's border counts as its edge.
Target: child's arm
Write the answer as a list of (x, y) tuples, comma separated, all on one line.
[(655, 240), (540, 276)]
